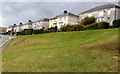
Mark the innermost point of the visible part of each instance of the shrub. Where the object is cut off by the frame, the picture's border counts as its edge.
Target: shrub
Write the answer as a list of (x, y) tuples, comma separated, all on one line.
[(53, 28), (103, 25), (49, 30), (77, 28), (88, 20), (64, 28), (13, 33), (18, 33), (8, 33), (91, 26), (72, 28), (26, 32), (38, 31), (116, 23)]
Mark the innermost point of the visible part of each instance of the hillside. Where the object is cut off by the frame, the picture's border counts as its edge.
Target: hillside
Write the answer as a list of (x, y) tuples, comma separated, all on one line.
[(3, 29), (79, 51)]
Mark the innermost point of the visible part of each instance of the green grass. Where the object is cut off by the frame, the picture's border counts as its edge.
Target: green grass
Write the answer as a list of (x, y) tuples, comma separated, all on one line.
[(79, 51)]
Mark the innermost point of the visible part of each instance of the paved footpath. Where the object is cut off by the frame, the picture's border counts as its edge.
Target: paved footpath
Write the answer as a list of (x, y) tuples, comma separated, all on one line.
[(4, 40)]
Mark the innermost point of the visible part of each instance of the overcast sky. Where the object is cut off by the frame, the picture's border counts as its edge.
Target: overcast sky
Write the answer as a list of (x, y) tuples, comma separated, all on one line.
[(16, 12)]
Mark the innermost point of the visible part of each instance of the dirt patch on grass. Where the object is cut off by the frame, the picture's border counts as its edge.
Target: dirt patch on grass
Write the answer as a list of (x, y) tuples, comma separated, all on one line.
[(19, 41), (105, 46)]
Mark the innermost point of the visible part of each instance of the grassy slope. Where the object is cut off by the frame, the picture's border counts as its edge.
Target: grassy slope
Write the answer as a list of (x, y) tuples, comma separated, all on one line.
[(80, 51)]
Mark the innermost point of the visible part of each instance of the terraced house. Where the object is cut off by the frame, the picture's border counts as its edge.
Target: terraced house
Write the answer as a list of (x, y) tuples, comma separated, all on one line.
[(42, 23), (107, 13), (64, 19)]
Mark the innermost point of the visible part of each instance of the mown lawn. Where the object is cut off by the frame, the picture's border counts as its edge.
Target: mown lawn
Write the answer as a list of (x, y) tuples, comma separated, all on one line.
[(79, 51)]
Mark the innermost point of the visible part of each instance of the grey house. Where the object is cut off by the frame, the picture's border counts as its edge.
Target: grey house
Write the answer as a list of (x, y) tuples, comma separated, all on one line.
[(108, 13)]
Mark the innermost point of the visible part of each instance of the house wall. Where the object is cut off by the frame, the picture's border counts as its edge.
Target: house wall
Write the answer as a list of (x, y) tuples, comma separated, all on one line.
[(51, 23), (9, 29), (118, 13), (45, 24), (61, 21), (73, 20), (17, 29), (108, 15), (41, 24)]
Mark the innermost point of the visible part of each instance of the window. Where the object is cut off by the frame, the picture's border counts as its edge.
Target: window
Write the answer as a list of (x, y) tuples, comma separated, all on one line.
[(100, 19), (90, 15), (109, 11), (108, 17), (101, 13), (55, 24), (60, 23)]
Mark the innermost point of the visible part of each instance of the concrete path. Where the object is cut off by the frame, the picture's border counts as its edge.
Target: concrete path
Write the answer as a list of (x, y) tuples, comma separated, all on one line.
[(4, 41)]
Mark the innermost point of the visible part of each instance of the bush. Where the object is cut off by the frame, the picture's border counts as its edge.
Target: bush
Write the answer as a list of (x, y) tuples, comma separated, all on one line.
[(49, 30), (52, 29), (26, 32), (8, 33), (64, 28), (103, 25), (91, 26), (77, 28), (116, 23), (38, 31), (88, 20), (18, 33), (72, 28), (13, 33)]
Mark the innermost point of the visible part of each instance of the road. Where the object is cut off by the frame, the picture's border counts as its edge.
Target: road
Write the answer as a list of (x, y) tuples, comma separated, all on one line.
[(4, 40)]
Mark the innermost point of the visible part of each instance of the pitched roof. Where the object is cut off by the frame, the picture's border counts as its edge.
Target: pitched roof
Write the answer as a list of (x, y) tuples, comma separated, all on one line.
[(45, 19), (101, 7), (65, 14)]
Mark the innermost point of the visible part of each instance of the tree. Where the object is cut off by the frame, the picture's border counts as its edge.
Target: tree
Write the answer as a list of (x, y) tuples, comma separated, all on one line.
[(88, 20)]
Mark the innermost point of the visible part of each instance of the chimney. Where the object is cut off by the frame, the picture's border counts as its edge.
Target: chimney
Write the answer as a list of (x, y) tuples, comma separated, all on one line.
[(14, 24), (65, 12), (20, 23), (29, 21)]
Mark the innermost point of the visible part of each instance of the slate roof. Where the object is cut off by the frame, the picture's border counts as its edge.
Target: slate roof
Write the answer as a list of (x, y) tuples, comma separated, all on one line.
[(65, 14), (101, 7), (45, 19)]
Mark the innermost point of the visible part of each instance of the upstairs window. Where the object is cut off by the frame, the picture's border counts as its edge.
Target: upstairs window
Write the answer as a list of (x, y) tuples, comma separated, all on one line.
[(60, 23), (100, 19), (55, 24), (101, 13), (109, 11)]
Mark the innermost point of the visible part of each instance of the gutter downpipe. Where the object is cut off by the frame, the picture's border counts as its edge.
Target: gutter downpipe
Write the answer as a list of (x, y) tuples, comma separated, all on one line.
[(115, 14)]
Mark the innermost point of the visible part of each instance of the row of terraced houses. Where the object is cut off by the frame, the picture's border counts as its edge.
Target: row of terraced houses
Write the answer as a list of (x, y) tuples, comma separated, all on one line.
[(107, 13)]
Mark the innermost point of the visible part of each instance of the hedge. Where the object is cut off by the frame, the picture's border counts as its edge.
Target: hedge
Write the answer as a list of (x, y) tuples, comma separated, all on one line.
[(26, 32), (116, 23), (52, 29), (72, 28), (38, 31), (91, 26), (103, 25)]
